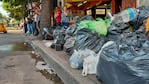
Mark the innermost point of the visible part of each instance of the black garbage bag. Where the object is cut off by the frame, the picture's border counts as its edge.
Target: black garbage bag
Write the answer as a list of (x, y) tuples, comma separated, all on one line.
[(47, 33), (72, 30), (69, 43), (120, 63), (56, 31), (118, 28), (76, 19), (142, 17), (70, 38), (59, 35), (87, 39), (71, 33)]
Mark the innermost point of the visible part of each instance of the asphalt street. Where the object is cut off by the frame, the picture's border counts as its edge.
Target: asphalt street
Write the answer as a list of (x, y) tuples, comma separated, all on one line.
[(16, 64)]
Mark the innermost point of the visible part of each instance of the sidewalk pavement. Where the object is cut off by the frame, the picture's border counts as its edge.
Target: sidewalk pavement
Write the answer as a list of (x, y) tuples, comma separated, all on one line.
[(59, 60)]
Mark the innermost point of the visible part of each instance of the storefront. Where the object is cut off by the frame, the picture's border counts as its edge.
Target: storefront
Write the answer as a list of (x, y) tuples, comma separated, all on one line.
[(118, 5), (88, 6)]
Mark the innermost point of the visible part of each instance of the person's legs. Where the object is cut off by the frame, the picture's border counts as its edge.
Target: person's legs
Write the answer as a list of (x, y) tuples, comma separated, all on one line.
[(31, 28), (25, 27), (38, 26), (65, 25), (36, 32), (58, 24), (28, 29)]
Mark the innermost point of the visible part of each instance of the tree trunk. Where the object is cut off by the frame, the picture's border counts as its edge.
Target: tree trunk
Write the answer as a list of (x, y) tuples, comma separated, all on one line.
[(46, 13)]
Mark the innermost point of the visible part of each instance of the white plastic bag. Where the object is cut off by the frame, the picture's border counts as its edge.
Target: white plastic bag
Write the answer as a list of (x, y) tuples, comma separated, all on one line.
[(90, 63), (48, 44), (77, 58)]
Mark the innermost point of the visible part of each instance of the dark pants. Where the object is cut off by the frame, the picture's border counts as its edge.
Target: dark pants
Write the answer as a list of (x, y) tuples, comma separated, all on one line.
[(36, 31), (65, 25), (58, 23), (25, 27)]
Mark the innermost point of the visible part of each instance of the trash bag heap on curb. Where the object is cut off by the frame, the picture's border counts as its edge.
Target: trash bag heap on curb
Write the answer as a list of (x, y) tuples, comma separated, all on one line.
[(70, 37), (88, 39), (66, 37), (89, 34), (85, 43), (71, 33), (127, 64), (117, 52), (59, 35), (126, 60)]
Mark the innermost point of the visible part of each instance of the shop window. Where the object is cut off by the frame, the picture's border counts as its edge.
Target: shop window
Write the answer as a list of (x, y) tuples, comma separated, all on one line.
[(89, 12), (100, 11)]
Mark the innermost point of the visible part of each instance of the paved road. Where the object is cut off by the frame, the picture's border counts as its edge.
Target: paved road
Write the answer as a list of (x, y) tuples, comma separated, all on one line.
[(16, 64)]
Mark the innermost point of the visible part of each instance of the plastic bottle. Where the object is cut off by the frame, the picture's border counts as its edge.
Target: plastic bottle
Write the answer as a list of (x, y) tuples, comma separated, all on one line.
[(125, 16)]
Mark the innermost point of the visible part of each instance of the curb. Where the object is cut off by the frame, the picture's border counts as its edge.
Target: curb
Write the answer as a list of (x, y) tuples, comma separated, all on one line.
[(60, 62)]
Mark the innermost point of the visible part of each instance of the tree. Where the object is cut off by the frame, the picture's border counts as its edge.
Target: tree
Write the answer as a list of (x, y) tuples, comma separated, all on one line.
[(1, 16), (4, 19), (16, 8), (46, 13)]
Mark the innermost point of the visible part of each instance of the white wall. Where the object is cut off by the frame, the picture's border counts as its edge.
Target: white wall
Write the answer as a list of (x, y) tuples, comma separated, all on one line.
[(142, 2)]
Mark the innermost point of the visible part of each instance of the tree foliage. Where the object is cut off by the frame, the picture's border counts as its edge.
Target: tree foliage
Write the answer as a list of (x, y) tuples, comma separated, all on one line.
[(4, 18), (16, 8), (1, 16)]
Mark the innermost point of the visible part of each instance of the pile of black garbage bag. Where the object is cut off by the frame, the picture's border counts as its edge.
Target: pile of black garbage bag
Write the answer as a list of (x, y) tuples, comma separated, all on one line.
[(87, 39), (70, 38), (65, 38), (126, 61), (58, 35), (72, 35)]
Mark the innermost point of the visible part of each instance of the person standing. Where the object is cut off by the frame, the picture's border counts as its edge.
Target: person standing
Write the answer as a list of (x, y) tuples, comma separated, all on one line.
[(65, 18), (36, 24), (30, 25), (57, 16), (25, 26)]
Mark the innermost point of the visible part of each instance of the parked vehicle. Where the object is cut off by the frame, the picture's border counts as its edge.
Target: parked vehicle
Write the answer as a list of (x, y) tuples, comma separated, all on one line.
[(2, 28)]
